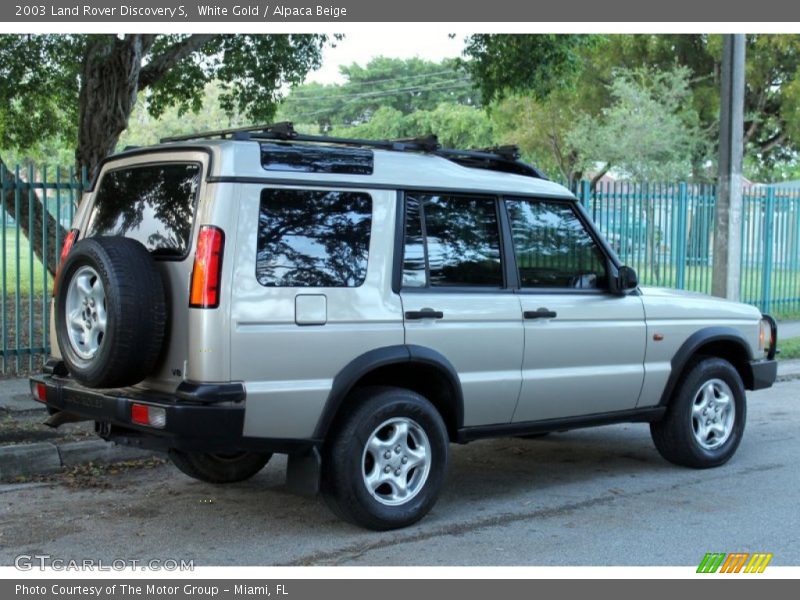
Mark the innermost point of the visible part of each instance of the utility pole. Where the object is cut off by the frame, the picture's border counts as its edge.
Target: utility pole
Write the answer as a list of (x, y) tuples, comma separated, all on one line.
[(726, 278)]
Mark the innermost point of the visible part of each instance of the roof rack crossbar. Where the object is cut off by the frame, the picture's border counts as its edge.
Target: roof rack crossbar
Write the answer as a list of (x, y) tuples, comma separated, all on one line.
[(491, 156), (509, 152), (218, 133), (503, 157)]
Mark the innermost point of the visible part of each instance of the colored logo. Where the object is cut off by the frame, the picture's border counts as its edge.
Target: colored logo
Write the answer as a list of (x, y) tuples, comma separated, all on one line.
[(737, 562)]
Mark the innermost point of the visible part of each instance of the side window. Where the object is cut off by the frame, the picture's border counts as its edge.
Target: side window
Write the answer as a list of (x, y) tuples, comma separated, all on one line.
[(451, 241), (553, 248), (309, 238)]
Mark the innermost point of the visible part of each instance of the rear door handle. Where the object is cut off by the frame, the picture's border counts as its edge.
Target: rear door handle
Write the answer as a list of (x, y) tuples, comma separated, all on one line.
[(425, 313), (541, 313)]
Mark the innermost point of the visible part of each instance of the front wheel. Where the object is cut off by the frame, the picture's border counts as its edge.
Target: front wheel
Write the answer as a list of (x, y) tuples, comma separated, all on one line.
[(387, 460), (705, 419)]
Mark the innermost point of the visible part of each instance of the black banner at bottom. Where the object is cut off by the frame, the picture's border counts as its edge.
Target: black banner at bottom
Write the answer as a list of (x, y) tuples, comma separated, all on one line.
[(385, 589)]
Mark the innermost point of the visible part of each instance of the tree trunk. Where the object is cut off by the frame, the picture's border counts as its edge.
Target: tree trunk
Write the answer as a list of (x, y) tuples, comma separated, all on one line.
[(39, 215), (109, 84)]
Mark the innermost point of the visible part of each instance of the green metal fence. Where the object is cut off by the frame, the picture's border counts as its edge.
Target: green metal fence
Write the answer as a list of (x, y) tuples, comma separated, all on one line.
[(665, 231), (25, 283)]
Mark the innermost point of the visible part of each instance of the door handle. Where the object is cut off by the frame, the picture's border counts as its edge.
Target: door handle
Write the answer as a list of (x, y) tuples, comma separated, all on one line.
[(541, 313), (425, 313)]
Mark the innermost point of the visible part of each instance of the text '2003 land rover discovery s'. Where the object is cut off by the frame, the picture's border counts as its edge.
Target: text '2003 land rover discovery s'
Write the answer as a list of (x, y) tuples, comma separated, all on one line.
[(359, 306)]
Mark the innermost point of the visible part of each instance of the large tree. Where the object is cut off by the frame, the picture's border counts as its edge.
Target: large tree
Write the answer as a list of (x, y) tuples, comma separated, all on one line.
[(84, 87), (650, 131), (772, 78), (537, 65), (578, 77)]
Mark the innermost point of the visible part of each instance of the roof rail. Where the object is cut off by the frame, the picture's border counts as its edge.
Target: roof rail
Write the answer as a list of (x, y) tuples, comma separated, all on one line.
[(496, 158), (220, 133)]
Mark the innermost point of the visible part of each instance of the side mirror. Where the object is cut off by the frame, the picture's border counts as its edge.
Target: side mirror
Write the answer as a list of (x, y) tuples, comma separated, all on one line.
[(625, 281)]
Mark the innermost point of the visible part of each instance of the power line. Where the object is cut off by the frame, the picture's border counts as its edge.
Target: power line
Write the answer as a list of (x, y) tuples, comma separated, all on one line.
[(315, 113), (396, 91)]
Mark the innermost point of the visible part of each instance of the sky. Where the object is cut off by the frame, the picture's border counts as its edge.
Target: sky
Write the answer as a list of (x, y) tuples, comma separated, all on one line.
[(360, 47)]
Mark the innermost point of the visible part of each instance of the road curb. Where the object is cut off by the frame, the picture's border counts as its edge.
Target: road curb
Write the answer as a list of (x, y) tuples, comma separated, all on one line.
[(45, 458)]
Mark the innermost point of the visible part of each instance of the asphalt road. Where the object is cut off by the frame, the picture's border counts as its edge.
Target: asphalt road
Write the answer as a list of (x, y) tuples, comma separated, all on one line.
[(590, 497)]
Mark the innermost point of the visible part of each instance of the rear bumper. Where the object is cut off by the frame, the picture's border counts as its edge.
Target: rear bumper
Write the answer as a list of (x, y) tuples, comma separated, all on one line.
[(763, 374), (200, 418)]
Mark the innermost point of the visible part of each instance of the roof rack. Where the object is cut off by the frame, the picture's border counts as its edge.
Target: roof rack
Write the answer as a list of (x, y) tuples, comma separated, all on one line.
[(496, 158)]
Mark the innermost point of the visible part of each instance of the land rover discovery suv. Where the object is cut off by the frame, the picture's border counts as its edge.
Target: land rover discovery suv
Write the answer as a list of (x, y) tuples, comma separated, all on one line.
[(360, 306)]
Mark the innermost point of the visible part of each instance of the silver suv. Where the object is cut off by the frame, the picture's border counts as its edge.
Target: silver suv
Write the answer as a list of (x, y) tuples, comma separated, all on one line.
[(360, 305)]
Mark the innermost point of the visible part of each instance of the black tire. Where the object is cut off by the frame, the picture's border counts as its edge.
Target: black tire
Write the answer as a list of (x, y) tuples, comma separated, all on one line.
[(344, 459), (674, 435), (219, 468), (135, 308)]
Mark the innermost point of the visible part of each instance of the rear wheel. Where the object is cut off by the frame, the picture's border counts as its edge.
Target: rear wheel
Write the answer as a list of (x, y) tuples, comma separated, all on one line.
[(386, 462), (706, 416), (219, 467)]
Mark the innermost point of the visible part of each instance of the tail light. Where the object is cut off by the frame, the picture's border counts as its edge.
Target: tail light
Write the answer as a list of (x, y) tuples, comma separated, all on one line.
[(39, 391), (151, 416), (207, 270), (69, 241)]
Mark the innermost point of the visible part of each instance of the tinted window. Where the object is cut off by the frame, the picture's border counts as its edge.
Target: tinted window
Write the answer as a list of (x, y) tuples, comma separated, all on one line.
[(462, 240), (316, 159), (552, 246), (313, 238), (153, 204)]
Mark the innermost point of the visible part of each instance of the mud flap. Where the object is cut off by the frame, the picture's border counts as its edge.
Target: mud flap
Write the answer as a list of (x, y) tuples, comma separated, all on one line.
[(303, 473)]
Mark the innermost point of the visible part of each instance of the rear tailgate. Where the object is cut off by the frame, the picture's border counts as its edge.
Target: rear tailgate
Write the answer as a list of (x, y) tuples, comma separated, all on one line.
[(153, 198)]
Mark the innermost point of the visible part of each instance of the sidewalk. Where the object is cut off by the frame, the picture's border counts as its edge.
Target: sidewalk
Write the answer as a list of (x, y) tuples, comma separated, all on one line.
[(29, 448)]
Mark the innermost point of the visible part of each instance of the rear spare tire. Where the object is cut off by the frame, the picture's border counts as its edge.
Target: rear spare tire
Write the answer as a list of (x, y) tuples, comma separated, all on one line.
[(110, 311)]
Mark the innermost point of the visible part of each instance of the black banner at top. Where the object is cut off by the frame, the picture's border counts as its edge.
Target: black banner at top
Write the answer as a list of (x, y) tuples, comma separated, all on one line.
[(454, 11)]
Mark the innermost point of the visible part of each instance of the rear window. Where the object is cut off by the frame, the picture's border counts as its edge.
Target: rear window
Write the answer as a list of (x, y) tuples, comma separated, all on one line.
[(153, 204), (310, 238)]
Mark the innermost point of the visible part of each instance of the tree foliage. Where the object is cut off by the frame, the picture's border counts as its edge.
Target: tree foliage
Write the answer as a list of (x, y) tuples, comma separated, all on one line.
[(39, 81), (534, 64), (404, 86), (649, 132), (457, 126), (772, 80), (84, 87), (540, 128)]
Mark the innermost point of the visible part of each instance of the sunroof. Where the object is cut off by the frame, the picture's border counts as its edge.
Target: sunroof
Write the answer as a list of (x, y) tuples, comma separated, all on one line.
[(316, 159)]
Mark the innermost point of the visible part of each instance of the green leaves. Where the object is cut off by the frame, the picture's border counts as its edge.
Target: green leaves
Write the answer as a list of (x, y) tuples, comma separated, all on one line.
[(39, 80), (649, 132), (44, 84), (405, 86), (457, 126), (535, 64)]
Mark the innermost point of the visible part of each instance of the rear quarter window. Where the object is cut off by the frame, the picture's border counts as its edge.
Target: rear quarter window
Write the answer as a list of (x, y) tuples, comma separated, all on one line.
[(311, 238), (153, 204)]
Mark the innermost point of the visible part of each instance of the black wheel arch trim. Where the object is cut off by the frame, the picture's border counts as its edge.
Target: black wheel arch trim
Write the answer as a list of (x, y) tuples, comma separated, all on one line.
[(362, 365), (690, 347)]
